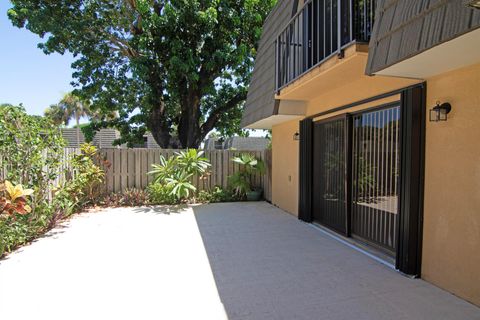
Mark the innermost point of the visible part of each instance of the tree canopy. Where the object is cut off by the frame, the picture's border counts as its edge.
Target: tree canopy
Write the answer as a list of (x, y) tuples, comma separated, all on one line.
[(177, 68)]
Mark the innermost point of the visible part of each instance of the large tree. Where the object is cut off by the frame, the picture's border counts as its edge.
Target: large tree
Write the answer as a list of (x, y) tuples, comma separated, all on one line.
[(173, 67)]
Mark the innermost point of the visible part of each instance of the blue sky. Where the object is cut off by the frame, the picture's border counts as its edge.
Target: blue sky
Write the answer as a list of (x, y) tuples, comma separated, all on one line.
[(27, 75)]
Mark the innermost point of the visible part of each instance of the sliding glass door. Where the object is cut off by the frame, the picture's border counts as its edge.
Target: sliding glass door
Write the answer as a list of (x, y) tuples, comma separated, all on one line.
[(375, 177), (329, 163), (361, 202)]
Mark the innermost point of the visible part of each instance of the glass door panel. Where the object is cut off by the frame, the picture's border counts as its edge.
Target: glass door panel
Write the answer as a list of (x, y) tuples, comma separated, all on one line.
[(375, 177), (328, 200)]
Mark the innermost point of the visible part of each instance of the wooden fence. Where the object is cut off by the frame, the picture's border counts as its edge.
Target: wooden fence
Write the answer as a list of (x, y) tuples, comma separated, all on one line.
[(129, 168), (61, 173)]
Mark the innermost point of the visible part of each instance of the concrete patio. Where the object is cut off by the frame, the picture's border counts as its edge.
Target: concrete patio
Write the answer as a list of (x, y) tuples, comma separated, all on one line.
[(221, 261)]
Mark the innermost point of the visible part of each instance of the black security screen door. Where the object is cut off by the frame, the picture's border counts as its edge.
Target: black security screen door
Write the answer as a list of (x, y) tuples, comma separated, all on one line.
[(375, 183), (367, 143), (329, 163), (362, 174)]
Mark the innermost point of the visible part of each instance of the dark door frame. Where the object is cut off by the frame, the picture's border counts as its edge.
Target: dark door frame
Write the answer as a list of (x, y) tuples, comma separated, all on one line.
[(346, 118), (412, 133)]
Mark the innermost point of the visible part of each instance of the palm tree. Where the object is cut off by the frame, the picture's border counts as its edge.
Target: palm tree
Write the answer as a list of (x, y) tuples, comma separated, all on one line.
[(74, 107), (70, 107)]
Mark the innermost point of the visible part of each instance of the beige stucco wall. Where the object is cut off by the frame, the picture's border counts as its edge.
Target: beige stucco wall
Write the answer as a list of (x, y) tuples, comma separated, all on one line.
[(451, 237), (286, 151), (285, 166)]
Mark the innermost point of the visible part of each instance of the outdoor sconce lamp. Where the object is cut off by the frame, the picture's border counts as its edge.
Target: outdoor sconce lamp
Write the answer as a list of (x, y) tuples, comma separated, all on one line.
[(474, 4), (440, 112), (296, 136)]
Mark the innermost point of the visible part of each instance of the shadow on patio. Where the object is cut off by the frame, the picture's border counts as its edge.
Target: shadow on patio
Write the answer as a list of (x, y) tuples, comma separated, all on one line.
[(269, 265)]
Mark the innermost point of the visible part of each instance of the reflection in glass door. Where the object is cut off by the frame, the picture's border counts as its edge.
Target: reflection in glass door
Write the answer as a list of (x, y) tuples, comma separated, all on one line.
[(328, 200), (375, 177)]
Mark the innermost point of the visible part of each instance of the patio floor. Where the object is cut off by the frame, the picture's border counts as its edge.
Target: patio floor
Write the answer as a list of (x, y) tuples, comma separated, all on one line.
[(221, 261)]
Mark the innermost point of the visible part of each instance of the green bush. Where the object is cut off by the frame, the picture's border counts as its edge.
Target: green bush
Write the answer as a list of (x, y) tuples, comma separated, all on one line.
[(31, 150), (176, 173), (160, 194), (83, 188), (241, 181), (31, 155), (216, 195)]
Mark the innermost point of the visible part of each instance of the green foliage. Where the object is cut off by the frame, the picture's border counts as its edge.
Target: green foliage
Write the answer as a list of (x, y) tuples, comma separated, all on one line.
[(216, 195), (192, 162), (160, 194), (31, 149), (13, 232), (241, 181), (178, 67), (250, 164), (86, 183), (164, 169), (31, 153), (180, 184), (176, 173)]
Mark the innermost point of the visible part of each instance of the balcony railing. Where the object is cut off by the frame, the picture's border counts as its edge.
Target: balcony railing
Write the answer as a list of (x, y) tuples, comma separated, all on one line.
[(321, 29)]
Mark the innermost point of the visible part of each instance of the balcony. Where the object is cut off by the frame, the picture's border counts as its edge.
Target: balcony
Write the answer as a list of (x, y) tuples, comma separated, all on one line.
[(319, 31)]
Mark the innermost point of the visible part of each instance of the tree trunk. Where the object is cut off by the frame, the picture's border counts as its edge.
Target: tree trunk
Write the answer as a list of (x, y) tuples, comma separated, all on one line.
[(189, 131), (159, 127)]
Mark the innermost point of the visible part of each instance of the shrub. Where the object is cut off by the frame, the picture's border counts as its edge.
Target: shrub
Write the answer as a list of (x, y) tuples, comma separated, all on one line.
[(83, 188), (160, 194), (175, 174), (31, 150), (241, 181), (31, 153), (217, 194), (128, 198)]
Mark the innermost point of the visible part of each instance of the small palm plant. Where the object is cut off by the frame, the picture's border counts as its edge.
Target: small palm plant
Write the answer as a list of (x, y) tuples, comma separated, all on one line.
[(241, 181), (176, 173)]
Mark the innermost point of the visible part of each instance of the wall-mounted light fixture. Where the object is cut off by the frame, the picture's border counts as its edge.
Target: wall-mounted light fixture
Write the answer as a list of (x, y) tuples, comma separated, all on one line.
[(440, 112), (296, 136), (473, 3)]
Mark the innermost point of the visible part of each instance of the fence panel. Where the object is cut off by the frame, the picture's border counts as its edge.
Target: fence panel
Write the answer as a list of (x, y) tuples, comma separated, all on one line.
[(129, 168)]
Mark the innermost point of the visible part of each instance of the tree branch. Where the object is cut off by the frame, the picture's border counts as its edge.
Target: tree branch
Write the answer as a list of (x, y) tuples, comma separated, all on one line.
[(215, 114)]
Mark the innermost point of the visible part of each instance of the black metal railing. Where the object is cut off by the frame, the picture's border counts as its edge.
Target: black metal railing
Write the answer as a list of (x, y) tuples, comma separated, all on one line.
[(321, 29)]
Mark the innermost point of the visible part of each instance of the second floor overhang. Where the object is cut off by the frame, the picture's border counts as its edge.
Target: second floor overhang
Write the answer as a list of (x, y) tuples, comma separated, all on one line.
[(300, 45)]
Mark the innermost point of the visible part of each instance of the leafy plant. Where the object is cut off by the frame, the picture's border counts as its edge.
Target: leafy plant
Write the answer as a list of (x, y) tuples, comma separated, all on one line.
[(241, 181), (165, 169), (192, 162), (14, 200), (130, 197), (84, 187), (160, 194), (31, 153), (180, 185), (31, 150), (217, 194), (176, 173)]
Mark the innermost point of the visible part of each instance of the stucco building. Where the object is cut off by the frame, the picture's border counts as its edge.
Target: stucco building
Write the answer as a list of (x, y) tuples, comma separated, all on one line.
[(373, 107)]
